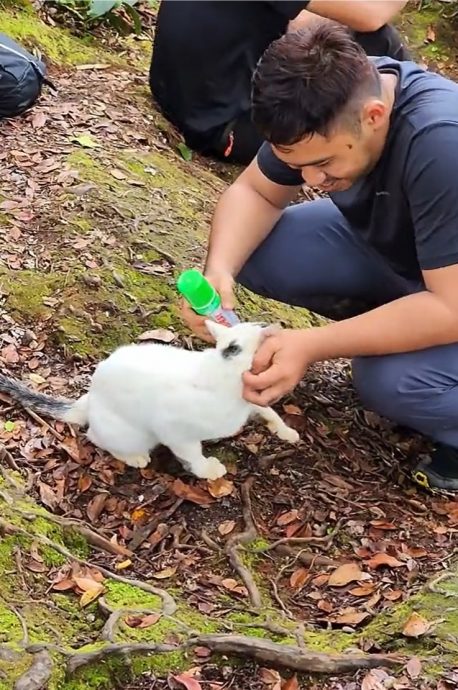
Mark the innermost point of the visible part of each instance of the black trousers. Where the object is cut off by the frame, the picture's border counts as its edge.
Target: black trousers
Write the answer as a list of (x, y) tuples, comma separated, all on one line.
[(238, 141)]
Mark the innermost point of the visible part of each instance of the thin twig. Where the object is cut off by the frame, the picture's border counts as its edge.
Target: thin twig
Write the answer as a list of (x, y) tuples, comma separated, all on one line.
[(307, 558), (25, 633), (233, 543), (324, 542), (44, 423)]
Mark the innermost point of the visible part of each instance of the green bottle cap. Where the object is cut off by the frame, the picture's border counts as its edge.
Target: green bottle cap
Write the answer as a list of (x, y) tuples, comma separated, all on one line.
[(196, 289)]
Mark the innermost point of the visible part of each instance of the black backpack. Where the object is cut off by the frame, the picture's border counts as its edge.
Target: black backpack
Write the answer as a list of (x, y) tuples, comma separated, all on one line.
[(21, 78)]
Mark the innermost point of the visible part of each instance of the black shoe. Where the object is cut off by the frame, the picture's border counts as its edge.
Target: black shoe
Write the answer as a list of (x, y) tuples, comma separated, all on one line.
[(440, 471)]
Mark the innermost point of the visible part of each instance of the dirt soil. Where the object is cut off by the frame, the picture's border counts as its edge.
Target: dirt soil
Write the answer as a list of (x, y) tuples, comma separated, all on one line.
[(325, 548)]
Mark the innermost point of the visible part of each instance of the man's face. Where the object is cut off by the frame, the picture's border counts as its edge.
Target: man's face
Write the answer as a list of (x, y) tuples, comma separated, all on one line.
[(334, 163)]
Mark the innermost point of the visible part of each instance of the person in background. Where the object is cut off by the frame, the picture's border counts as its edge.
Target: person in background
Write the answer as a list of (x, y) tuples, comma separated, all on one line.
[(379, 256), (205, 53)]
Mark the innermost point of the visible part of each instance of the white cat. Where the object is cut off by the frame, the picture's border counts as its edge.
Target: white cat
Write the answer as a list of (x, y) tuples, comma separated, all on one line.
[(150, 394)]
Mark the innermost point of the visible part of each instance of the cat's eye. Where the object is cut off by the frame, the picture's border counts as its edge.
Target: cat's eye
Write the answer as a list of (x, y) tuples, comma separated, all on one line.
[(231, 350)]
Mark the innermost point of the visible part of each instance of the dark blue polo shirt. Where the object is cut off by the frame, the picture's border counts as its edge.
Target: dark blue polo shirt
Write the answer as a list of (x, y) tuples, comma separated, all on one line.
[(407, 207)]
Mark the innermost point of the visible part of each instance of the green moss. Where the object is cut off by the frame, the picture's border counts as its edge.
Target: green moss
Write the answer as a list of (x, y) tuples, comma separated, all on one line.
[(415, 24), (10, 626), (26, 291), (56, 44)]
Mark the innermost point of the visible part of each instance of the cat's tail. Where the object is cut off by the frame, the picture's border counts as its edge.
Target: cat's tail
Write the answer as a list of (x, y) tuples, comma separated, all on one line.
[(63, 409)]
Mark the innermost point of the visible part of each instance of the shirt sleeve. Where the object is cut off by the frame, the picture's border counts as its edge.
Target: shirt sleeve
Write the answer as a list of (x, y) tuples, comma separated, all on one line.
[(275, 170), (289, 8), (431, 185)]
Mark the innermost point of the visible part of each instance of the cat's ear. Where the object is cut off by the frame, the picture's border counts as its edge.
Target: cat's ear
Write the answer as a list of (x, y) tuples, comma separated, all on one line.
[(271, 329), (215, 329)]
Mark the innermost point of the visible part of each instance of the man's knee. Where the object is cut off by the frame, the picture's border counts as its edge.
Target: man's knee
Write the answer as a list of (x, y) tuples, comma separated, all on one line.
[(408, 389)]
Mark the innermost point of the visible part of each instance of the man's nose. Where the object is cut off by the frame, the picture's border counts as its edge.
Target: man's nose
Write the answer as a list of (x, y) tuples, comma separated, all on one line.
[(314, 177)]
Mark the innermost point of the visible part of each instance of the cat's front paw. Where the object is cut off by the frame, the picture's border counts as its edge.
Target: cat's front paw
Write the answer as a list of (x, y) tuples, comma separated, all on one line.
[(288, 434), (212, 468)]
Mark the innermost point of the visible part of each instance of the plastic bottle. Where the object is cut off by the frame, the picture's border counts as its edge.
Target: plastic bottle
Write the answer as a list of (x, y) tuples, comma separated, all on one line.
[(203, 298)]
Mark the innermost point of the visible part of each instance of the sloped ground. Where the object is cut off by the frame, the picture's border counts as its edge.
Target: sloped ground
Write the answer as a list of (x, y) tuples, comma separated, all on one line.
[(327, 545)]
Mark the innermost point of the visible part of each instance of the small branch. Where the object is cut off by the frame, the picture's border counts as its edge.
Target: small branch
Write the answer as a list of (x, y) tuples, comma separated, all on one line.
[(325, 541), (38, 675), (25, 633), (142, 533), (209, 541), (233, 543), (305, 557), (6, 455), (432, 586), (44, 423), (167, 600), (292, 657)]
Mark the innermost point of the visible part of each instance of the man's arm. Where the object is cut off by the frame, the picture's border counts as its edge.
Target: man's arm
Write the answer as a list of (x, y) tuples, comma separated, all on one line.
[(415, 322), (244, 216), (359, 15)]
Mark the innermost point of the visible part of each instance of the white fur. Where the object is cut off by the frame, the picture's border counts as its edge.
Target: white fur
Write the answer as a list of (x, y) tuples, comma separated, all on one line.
[(144, 395)]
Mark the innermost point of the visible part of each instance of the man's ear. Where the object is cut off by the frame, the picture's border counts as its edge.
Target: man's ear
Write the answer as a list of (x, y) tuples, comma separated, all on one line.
[(215, 329), (271, 329)]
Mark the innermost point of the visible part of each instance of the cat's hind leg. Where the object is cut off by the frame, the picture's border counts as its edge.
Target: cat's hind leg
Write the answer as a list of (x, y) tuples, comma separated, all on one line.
[(190, 456), (276, 424), (122, 440)]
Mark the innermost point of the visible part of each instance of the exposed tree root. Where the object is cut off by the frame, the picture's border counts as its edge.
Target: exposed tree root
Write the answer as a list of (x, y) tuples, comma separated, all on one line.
[(234, 542), (292, 657), (39, 673)]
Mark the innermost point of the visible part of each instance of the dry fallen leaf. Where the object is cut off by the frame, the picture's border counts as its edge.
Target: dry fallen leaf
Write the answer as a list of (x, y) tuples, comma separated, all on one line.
[(383, 525), (375, 680), (95, 506), (191, 493), (91, 594), (286, 518), (164, 574), (363, 591), (351, 618), (291, 684), (47, 495), (393, 594), (299, 578), (292, 409), (123, 564), (346, 573), (226, 527), (188, 681), (142, 621), (220, 487), (430, 34), (84, 482), (380, 559), (63, 585), (416, 626), (269, 676), (414, 667), (161, 334)]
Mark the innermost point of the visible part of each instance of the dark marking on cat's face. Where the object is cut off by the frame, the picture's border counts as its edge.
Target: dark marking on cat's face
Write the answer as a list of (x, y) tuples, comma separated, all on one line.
[(231, 350)]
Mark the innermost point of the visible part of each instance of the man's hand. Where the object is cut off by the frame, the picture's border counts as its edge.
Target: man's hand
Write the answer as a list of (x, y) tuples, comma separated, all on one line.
[(278, 366), (224, 285)]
